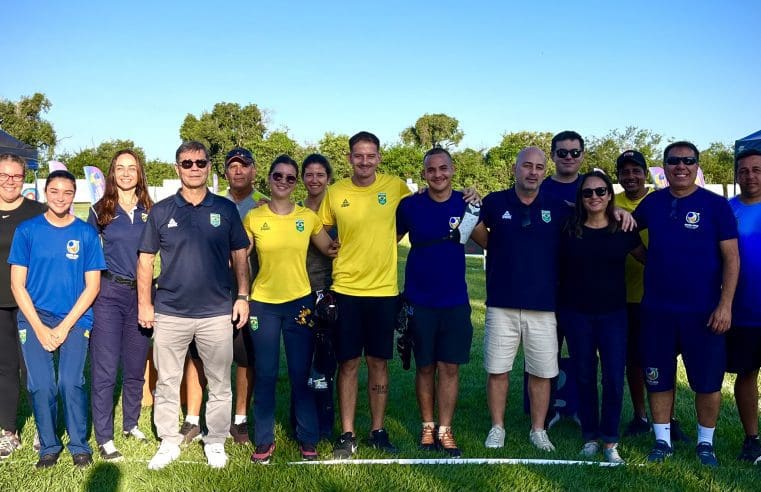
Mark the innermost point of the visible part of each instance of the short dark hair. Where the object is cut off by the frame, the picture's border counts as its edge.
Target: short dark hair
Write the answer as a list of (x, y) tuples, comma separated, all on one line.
[(191, 146), (437, 151), (363, 136), (566, 135), (681, 143), (580, 217), (284, 159), (61, 173), (14, 158), (317, 159)]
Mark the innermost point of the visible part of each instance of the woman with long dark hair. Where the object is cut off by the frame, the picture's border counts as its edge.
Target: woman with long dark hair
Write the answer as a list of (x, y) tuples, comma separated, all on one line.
[(592, 309), (117, 339), (56, 261)]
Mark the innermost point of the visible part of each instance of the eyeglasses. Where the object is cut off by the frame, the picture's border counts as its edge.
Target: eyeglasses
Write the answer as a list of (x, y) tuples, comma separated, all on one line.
[(289, 178), (13, 177), (200, 163), (687, 161), (587, 192), (563, 153)]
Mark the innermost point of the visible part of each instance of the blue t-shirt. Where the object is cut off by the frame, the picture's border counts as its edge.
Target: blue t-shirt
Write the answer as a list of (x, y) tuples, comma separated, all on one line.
[(564, 191), (435, 271), (522, 259), (746, 309), (195, 243), (683, 272), (56, 259), (121, 238)]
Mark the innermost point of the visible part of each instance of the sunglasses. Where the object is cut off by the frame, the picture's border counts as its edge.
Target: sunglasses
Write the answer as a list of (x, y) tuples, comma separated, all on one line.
[(289, 178), (563, 153), (200, 163), (687, 161), (588, 192)]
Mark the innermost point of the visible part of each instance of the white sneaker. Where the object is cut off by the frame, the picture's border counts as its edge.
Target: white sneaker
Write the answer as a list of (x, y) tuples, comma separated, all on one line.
[(611, 455), (541, 440), (215, 455), (167, 453), (135, 433), (590, 449), (495, 438)]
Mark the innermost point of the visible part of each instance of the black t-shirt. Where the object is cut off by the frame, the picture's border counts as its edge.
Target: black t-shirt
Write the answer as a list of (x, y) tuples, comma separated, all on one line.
[(9, 220), (592, 270)]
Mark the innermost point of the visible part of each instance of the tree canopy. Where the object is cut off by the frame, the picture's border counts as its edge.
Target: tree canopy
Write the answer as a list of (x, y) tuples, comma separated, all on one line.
[(24, 120), (433, 130)]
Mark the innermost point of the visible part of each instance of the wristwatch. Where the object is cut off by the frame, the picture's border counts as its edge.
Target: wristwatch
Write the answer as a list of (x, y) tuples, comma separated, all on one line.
[(242, 297)]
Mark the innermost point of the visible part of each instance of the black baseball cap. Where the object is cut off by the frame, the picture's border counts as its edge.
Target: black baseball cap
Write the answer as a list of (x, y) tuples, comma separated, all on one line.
[(631, 156), (241, 154)]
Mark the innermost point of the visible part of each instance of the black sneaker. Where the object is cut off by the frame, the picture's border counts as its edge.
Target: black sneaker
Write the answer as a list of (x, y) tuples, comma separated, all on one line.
[(240, 433), (705, 453), (345, 446), (677, 435), (379, 440), (82, 460), (47, 460), (263, 453), (751, 449), (190, 432), (637, 427), (660, 452)]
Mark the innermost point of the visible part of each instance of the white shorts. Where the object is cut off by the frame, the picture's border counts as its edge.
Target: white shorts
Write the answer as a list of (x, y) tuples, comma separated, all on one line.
[(505, 328)]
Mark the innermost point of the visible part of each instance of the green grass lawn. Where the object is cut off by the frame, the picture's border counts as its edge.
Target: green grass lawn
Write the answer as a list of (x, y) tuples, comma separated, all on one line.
[(471, 425)]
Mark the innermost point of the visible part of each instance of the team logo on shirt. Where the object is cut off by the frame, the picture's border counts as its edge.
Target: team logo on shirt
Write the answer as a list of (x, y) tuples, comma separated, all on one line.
[(546, 216), (264, 227), (300, 225), (507, 215), (22, 336), (214, 220), (651, 375), (72, 249), (172, 223), (454, 222), (345, 203), (144, 216), (382, 198), (691, 220)]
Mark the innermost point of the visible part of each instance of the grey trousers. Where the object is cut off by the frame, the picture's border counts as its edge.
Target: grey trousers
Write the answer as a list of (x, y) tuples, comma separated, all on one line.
[(171, 338)]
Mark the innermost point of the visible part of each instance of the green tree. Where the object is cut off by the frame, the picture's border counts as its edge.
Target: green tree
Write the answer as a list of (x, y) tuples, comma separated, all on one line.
[(23, 119), (501, 158), (602, 152), (156, 172), (336, 148), (99, 157), (404, 161), (471, 170), (718, 163), (433, 130)]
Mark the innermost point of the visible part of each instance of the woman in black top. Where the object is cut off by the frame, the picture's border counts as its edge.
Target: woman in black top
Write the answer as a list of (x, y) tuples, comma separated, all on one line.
[(592, 309)]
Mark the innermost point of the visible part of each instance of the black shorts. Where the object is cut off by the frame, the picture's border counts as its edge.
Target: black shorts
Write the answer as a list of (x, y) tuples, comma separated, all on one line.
[(743, 349), (441, 335), (365, 324), (634, 320), (243, 347)]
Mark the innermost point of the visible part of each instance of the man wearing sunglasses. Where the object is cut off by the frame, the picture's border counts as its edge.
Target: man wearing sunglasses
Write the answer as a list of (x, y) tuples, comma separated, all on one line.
[(197, 234), (690, 278), (567, 151), (521, 229)]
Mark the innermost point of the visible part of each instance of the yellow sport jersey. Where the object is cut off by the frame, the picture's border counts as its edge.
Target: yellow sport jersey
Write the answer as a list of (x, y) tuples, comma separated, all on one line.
[(281, 243), (366, 221), (635, 270)]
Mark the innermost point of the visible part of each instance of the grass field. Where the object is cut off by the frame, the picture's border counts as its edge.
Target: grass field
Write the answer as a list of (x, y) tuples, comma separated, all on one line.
[(682, 472)]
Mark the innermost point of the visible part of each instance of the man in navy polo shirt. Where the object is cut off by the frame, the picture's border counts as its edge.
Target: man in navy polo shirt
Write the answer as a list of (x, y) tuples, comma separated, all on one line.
[(521, 228), (690, 279), (434, 285), (197, 234)]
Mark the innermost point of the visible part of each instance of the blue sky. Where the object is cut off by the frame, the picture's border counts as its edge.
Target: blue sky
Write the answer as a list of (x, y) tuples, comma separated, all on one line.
[(133, 70)]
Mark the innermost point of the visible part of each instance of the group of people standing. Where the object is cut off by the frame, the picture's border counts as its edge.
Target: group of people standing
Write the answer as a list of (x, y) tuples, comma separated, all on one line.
[(236, 273)]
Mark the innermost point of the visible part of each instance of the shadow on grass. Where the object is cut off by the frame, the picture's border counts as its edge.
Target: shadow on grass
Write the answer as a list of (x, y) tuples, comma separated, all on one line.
[(103, 477)]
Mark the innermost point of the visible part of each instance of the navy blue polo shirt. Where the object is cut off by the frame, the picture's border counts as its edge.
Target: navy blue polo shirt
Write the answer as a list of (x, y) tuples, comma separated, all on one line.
[(121, 238), (195, 243), (683, 272), (522, 259), (435, 271), (564, 191)]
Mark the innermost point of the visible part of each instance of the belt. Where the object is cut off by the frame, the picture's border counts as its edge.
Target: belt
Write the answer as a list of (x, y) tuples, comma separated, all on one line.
[(120, 280)]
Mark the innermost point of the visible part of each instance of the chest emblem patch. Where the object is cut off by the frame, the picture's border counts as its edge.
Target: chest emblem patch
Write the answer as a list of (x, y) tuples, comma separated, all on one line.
[(454, 222), (300, 225), (382, 198), (72, 249), (264, 227), (691, 220), (215, 220), (507, 215), (144, 216), (546, 216), (345, 203)]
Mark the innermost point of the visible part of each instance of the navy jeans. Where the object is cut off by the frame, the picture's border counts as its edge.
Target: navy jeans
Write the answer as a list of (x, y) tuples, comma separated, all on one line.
[(587, 335), (44, 388), (271, 321), (116, 337)]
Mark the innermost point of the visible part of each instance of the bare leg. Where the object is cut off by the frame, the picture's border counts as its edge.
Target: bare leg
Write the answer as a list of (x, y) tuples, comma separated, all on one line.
[(746, 396), (661, 405), (377, 382), (539, 396), (496, 396), (424, 389), (447, 390), (707, 407), (194, 384), (244, 387), (347, 393)]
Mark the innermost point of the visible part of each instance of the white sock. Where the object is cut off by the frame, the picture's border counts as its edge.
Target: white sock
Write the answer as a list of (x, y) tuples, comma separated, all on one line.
[(240, 419), (705, 434), (192, 419), (429, 424), (443, 430), (662, 432)]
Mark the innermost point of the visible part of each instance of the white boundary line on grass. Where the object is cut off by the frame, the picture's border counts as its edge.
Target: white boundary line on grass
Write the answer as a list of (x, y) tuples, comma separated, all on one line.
[(453, 461)]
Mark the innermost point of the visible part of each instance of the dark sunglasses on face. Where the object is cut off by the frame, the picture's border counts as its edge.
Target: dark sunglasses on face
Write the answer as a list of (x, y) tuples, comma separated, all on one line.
[(688, 161), (289, 178), (563, 153), (200, 163), (587, 192)]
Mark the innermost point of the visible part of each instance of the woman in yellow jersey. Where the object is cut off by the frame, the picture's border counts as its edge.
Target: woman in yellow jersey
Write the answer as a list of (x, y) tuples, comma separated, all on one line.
[(280, 233)]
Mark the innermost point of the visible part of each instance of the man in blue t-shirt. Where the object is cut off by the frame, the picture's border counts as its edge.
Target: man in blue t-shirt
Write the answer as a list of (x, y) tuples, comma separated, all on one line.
[(744, 338), (435, 288), (690, 279), (198, 234), (521, 228)]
